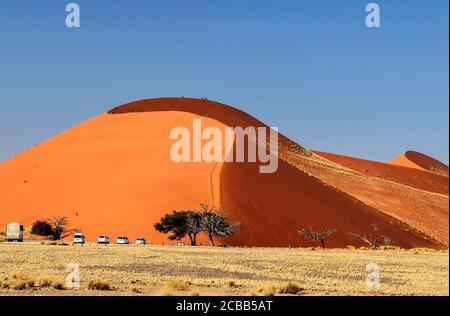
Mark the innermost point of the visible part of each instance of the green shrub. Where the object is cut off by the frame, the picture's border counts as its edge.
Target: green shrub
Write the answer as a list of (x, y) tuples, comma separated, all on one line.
[(41, 228)]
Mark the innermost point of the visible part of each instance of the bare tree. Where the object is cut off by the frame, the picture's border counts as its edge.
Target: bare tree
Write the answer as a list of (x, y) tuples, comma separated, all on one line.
[(214, 223), (373, 239), (59, 225), (317, 235)]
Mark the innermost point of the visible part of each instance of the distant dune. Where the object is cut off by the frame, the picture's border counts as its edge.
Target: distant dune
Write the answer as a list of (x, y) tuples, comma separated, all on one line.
[(414, 159), (416, 178), (113, 175)]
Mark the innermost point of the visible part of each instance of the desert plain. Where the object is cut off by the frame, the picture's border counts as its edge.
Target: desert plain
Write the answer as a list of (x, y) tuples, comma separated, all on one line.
[(232, 271)]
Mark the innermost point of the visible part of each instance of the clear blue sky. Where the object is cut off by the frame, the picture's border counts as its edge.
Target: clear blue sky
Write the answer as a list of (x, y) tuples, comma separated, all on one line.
[(310, 67)]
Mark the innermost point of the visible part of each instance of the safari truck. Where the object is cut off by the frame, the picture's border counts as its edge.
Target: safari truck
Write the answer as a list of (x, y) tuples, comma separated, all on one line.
[(14, 232)]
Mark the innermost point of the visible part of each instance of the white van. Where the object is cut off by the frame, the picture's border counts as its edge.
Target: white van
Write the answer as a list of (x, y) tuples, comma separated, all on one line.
[(78, 238), (14, 232)]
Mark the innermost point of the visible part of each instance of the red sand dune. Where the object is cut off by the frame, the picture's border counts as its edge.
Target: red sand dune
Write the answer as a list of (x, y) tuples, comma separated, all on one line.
[(412, 197), (414, 159), (415, 178), (113, 175)]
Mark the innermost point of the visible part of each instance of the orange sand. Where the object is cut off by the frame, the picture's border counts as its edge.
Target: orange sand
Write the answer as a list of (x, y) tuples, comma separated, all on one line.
[(414, 159), (418, 179), (113, 175)]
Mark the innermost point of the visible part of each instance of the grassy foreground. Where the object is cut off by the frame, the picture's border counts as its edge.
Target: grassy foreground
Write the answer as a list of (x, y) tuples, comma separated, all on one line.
[(34, 269)]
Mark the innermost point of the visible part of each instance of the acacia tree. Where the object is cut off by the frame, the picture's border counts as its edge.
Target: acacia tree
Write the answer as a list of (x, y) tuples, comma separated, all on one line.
[(190, 223), (180, 224), (317, 235), (41, 228), (193, 226), (56, 227), (373, 239), (174, 223), (59, 227), (214, 223)]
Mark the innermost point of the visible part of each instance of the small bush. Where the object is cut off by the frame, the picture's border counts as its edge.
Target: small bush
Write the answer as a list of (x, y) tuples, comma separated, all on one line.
[(290, 288), (268, 289), (58, 285), (177, 284), (99, 285), (19, 285), (390, 247), (17, 275), (231, 283), (17, 280), (30, 283), (135, 289), (45, 282)]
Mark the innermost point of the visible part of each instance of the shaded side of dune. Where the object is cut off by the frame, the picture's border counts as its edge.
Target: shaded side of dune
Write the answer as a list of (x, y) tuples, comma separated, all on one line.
[(273, 207)]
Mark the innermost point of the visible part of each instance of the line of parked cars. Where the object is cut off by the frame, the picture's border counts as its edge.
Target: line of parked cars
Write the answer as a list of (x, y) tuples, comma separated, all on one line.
[(78, 238)]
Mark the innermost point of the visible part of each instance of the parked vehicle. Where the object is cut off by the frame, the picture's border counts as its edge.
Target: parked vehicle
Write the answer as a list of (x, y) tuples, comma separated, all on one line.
[(141, 241), (14, 232), (122, 240), (78, 238), (103, 240)]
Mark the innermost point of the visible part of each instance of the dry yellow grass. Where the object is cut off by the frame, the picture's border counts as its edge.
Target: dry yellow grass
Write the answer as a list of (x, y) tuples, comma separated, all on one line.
[(208, 271), (175, 284), (268, 289), (99, 285)]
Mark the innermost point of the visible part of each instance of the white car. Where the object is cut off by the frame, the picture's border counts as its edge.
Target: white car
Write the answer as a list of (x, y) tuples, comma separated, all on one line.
[(122, 240), (78, 238), (141, 241), (103, 240)]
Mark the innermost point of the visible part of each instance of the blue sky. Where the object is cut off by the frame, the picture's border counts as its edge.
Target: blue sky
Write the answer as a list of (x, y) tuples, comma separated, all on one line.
[(310, 67)]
